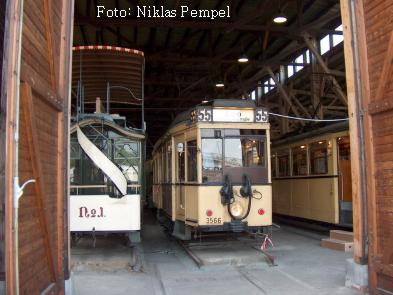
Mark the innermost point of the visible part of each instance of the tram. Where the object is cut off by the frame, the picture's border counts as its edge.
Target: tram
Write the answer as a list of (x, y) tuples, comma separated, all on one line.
[(107, 154), (311, 176), (211, 169)]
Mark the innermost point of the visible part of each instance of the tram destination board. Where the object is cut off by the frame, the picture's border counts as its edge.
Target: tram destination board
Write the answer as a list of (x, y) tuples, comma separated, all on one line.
[(208, 114)]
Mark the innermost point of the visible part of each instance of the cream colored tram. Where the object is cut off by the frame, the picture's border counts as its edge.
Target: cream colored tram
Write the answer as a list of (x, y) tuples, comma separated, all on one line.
[(312, 176), (211, 170)]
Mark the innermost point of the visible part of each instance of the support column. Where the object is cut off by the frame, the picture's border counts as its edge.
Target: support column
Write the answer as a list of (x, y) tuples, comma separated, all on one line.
[(357, 270)]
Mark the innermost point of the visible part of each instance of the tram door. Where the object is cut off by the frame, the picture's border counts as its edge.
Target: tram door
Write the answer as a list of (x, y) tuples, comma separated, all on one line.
[(344, 180), (180, 172)]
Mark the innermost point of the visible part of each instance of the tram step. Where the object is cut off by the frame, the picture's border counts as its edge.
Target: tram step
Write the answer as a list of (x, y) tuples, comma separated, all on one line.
[(341, 235), (337, 245)]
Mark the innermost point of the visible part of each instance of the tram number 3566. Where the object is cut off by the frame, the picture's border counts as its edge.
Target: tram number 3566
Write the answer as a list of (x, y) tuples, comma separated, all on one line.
[(84, 212), (213, 220)]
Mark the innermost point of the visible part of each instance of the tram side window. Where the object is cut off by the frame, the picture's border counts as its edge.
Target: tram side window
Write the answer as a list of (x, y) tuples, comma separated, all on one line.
[(211, 160), (283, 163), (299, 161), (192, 160), (273, 163), (319, 157), (169, 162), (163, 167)]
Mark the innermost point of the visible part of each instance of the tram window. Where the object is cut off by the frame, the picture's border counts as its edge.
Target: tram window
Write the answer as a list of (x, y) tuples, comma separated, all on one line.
[(211, 160), (283, 163), (273, 163), (192, 160), (244, 152), (318, 157), (180, 165), (163, 167), (299, 161), (126, 156), (169, 162)]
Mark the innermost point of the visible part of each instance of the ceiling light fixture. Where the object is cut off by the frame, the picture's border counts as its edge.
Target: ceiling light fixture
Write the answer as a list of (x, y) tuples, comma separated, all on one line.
[(220, 84), (280, 17), (243, 59)]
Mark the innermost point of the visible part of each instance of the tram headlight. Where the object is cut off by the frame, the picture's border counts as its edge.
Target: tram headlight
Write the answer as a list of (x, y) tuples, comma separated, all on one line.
[(237, 209)]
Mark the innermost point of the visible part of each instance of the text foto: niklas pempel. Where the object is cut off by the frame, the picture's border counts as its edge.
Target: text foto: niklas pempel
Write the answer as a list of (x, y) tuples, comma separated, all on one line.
[(151, 11)]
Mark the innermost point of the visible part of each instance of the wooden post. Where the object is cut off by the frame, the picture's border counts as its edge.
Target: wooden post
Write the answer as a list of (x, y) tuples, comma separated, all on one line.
[(10, 85), (355, 91)]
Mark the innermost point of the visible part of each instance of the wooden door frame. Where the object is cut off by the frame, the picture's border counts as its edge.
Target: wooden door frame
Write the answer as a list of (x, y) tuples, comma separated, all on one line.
[(357, 92), (10, 84)]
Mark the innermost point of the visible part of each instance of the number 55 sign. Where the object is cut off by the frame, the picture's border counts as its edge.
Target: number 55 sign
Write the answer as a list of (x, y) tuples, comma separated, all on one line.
[(261, 116), (201, 115)]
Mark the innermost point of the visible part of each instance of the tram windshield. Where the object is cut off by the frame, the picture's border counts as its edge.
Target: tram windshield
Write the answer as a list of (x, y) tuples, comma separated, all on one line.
[(228, 149), (244, 152)]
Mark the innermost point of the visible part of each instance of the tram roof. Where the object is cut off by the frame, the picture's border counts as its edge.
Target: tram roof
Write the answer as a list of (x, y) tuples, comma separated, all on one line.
[(96, 66), (288, 139)]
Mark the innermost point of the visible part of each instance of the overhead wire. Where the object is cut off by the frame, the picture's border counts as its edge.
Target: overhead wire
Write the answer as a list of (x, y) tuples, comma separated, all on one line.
[(308, 119)]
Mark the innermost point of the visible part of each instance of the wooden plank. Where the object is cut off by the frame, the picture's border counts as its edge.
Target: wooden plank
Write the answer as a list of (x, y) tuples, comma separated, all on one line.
[(49, 41), (338, 245), (35, 157), (386, 70), (64, 89), (2, 148), (9, 87)]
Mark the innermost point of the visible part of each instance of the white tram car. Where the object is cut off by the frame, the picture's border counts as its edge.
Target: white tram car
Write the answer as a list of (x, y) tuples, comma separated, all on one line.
[(107, 156)]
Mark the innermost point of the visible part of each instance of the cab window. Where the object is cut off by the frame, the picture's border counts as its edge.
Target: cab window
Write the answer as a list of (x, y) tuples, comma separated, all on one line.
[(211, 160)]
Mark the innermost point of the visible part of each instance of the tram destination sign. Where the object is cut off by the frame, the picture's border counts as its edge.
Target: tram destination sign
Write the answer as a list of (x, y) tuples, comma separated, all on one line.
[(208, 114)]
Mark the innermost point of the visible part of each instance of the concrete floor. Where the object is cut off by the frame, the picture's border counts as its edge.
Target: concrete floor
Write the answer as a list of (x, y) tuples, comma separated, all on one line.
[(303, 267)]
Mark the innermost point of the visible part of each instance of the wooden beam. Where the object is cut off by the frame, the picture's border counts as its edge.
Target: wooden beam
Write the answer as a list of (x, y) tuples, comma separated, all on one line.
[(386, 70), (49, 41), (321, 62), (35, 157), (283, 93)]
